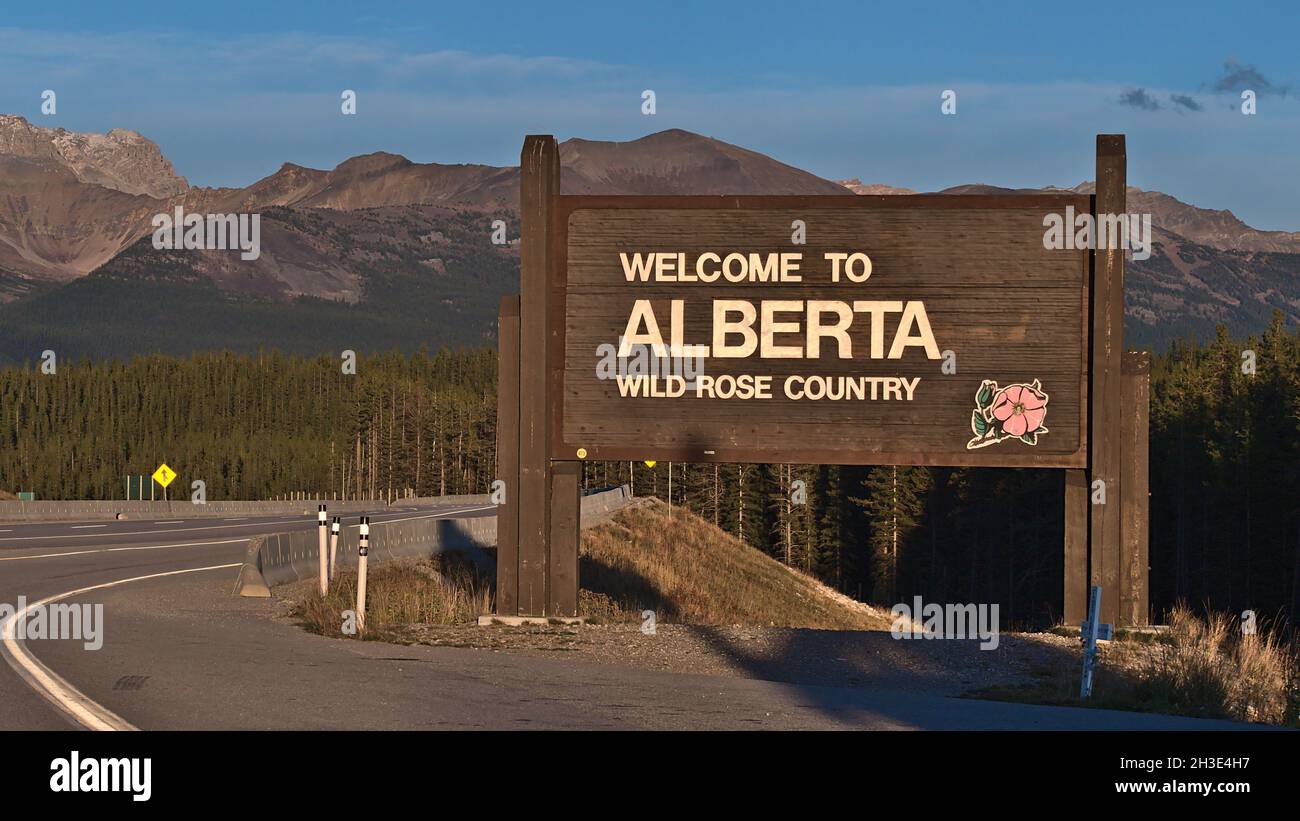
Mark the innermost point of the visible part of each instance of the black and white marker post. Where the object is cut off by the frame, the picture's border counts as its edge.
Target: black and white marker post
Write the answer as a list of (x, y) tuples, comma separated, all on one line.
[(363, 550), (1092, 631), (324, 559), (334, 543)]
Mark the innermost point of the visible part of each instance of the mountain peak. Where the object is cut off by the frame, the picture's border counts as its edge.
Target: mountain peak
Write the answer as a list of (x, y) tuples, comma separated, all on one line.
[(372, 162), (857, 186), (295, 168), (122, 160), (676, 161)]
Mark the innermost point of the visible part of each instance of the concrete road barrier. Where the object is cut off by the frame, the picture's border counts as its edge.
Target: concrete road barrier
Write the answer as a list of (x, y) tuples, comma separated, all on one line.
[(600, 505), (280, 558)]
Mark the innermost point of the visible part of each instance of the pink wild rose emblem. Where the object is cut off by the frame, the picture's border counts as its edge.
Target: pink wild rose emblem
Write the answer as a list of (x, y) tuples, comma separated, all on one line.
[(1014, 412)]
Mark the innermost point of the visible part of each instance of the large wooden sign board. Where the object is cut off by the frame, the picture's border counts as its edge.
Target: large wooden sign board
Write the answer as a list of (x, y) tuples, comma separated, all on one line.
[(898, 330), (901, 330)]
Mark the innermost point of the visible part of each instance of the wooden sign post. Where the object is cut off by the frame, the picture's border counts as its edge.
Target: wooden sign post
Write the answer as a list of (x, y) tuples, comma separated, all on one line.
[(538, 524), (507, 596), (1135, 399), (1105, 495), (1106, 507), (928, 329), (1075, 597)]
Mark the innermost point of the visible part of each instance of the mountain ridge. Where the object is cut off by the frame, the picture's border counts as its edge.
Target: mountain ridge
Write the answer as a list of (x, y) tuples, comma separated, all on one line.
[(119, 159), (379, 225)]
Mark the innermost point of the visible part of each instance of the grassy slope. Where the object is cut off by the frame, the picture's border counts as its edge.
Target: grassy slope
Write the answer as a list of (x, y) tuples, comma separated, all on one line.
[(683, 568), (687, 570)]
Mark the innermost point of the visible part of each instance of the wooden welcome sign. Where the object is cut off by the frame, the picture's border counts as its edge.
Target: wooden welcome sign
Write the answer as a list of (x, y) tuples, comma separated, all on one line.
[(897, 330), (901, 330)]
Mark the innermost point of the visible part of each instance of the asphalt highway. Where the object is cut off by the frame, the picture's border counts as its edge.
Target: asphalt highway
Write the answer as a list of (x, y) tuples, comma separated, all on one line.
[(179, 651), (99, 558)]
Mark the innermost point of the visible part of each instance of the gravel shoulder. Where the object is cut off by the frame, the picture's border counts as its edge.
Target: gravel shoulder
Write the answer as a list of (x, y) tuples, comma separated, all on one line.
[(838, 658)]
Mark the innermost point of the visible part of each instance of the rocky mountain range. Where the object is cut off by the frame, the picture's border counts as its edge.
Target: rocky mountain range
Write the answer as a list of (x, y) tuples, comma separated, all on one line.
[(857, 186), (120, 160), (396, 253)]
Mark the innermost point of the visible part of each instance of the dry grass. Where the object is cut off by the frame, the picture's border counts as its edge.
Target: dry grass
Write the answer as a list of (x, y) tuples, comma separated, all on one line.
[(688, 571), (1209, 668), (1204, 668), (443, 590), (683, 568)]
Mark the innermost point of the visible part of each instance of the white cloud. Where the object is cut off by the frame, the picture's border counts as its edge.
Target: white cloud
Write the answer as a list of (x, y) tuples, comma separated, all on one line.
[(232, 109), (506, 64), (267, 56)]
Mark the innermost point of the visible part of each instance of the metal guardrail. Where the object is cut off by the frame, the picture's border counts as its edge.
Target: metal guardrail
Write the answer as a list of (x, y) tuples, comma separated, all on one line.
[(281, 558), (56, 510)]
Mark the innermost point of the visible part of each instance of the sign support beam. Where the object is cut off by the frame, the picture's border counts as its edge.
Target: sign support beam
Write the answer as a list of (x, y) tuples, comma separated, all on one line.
[(507, 598), (1104, 437), (562, 570), (539, 185), (1134, 483), (1076, 546)]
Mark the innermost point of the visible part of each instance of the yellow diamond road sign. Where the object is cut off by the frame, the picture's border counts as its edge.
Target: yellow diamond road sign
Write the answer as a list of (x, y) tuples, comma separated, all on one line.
[(164, 475)]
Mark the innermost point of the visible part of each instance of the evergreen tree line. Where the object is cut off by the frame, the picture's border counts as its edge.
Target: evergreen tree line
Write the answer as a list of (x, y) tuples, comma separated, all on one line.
[(252, 426), (1224, 457)]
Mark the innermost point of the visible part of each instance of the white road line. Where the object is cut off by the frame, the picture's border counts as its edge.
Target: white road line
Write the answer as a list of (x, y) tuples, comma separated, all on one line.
[(172, 522), (73, 703), (117, 549), (84, 527), (170, 532), (240, 519)]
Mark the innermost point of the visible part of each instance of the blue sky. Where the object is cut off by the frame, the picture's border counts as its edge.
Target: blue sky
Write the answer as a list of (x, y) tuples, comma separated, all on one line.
[(232, 90)]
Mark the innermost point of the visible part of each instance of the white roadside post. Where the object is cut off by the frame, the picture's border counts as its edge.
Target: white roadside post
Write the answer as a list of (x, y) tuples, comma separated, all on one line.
[(334, 543), (324, 559), (363, 550), (1092, 632)]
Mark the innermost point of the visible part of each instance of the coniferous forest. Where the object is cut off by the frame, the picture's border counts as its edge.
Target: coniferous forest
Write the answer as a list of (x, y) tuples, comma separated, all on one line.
[(1225, 468), (253, 427)]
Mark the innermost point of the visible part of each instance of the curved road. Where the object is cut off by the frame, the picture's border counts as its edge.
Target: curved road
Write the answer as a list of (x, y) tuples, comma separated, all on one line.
[(115, 563), (181, 652)]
